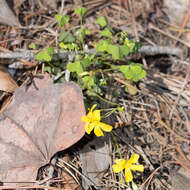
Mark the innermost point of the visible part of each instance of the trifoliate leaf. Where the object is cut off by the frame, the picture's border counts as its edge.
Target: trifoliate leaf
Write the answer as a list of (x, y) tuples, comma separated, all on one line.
[(45, 54), (133, 72), (75, 67), (102, 82), (88, 82), (124, 50), (86, 62), (114, 51), (80, 11), (63, 45), (66, 37), (62, 20), (32, 46), (102, 21), (82, 32), (102, 46), (106, 33)]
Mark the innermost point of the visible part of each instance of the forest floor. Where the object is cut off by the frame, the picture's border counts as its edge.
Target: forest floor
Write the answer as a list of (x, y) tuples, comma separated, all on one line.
[(155, 122)]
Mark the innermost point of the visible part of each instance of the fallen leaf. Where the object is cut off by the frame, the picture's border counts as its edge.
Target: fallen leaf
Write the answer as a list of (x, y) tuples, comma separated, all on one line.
[(6, 15), (95, 161), (180, 182), (6, 81), (36, 125)]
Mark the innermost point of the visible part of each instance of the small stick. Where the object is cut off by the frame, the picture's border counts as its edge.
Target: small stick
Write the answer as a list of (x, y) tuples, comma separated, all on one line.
[(179, 94), (147, 50), (169, 35)]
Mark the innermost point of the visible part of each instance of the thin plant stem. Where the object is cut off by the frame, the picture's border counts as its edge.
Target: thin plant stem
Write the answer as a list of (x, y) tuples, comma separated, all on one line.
[(103, 99)]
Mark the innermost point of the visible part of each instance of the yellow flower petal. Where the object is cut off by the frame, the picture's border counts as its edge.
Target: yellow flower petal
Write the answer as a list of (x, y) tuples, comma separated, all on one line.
[(92, 108), (134, 159), (128, 175), (96, 116), (88, 128), (98, 132), (139, 168), (85, 119), (90, 116), (105, 127), (119, 166)]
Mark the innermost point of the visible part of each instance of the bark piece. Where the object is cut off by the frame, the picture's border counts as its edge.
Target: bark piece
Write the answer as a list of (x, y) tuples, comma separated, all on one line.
[(36, 125)]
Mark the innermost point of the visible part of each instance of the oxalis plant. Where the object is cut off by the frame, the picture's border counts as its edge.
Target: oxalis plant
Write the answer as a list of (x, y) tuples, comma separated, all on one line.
[(90, 68)]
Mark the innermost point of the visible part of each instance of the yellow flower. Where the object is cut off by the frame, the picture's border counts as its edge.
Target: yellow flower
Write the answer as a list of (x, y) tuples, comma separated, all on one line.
[(129, 165), (92, 121), (127, 42)]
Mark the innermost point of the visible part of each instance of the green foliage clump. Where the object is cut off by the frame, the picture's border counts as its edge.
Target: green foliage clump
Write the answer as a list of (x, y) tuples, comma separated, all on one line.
[(89, 68)]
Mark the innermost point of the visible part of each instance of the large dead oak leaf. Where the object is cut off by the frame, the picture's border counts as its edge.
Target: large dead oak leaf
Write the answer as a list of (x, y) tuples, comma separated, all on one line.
[(36, 125)]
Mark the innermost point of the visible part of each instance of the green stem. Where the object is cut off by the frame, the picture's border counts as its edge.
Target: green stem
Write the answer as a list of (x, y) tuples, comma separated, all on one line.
[(116, 144), (119, 151), (103, 99)]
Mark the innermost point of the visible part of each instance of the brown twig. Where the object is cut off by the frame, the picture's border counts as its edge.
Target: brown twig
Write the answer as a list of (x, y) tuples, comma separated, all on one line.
[(168, 35), (179, 94)]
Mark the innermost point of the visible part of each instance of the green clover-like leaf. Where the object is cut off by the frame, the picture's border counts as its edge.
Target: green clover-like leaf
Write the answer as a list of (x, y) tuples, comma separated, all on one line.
[(66, 37), (114, 51), (80, 11), (106, 33), (88, 81), (32, 46), (133, 72), (124, 50), (75, 67), (102, 21), (102, 46), (82, 32), (86, 62), (45, 55), (62, 20)]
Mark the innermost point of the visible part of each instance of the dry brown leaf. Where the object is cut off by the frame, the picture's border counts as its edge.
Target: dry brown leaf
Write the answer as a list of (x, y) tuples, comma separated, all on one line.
[(180, 182), (6, 81), (95, 161), (6, 15), (36, 125)]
